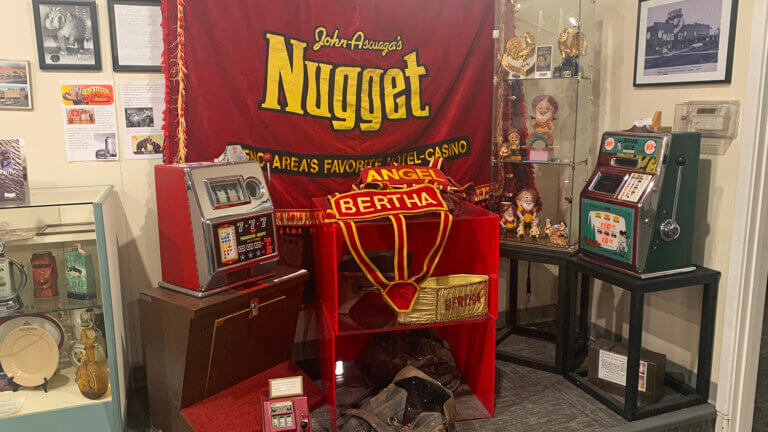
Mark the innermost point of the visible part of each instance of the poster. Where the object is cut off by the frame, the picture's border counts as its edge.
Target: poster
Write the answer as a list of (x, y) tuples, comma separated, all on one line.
[(327, 92), (142, 106), (15, 90), (90, 125)]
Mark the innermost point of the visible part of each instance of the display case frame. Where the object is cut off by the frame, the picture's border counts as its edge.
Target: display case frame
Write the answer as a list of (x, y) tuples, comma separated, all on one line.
[(63, 407), (555, 174)]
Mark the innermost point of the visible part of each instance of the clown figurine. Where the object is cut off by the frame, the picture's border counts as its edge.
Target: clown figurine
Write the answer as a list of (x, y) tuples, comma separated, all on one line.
[(527, 211), (544, 108)]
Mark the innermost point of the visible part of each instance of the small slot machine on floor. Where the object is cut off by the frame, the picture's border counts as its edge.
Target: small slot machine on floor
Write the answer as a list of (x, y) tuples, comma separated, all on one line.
[(637, 208), (216, 226)]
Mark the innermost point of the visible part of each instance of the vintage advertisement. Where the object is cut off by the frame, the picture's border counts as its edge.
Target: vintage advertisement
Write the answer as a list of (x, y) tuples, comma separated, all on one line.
[(142, 106), (90, 125)]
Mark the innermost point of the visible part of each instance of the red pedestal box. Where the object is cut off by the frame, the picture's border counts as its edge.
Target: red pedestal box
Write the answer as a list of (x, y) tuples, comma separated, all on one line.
[(472, 248)]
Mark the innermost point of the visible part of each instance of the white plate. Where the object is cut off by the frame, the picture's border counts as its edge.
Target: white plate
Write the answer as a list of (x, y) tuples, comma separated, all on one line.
[(43, 321), (29, 355)]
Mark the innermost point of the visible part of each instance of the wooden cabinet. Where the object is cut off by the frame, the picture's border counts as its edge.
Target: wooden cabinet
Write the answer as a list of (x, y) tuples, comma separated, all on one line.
[(195, 348)]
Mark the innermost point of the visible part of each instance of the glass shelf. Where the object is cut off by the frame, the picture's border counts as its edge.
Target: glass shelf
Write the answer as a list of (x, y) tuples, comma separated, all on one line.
[(563, 162), (62, 303), (69, 196)]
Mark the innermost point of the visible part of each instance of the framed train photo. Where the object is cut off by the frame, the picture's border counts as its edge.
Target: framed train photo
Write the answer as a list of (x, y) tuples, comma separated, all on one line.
[(685, 41)]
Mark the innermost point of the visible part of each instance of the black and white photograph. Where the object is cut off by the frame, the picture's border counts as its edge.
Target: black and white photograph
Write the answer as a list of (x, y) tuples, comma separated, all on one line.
[(544, 61), (139, 117), (684, 41), (15, 90), (67, 35), (105, 145)]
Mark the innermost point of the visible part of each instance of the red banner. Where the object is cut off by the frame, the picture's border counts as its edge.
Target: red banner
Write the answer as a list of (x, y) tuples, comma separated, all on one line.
[(329, 87)]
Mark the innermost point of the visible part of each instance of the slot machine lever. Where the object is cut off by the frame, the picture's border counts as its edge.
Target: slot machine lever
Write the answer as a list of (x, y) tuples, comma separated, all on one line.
[(670, 229)]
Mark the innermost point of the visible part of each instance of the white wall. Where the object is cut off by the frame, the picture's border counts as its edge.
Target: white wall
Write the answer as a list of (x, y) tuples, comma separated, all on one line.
[(43, 132)]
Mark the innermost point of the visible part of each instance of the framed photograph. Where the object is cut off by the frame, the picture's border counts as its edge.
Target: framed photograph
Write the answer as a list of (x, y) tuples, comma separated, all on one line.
[(15, 89), (544, 61), (685, 41), (136, 35), (67, 34)]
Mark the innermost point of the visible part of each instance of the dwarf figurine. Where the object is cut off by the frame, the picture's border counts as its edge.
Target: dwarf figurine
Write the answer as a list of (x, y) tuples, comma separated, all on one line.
[(535, 232), (507, 221), (505, 151), (513, 138), (527, 211), (558, 234), (544, 107), (548, 227)]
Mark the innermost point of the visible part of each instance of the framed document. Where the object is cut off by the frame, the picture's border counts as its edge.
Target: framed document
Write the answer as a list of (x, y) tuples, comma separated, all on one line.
[(685, 41), (136, 35)]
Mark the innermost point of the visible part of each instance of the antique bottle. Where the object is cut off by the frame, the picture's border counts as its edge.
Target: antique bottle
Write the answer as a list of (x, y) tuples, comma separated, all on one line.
[(81, 281), (44, 274), (92, 378)]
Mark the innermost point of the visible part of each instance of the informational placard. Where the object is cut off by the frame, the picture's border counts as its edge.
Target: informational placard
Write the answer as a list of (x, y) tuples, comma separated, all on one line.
[(613, 367), (90, 125), (142, 105), (284, 387)]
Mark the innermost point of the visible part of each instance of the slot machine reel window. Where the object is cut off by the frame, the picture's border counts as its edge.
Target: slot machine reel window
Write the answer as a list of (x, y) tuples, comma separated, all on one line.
[(607, 183), (227, 192)]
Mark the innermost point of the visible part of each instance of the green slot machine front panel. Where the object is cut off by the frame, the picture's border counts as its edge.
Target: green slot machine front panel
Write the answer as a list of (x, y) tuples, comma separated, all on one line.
[(608, 230)]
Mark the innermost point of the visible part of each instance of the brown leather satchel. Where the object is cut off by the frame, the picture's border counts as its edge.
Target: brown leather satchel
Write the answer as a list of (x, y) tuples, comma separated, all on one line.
[(413, 402), (388, 353)]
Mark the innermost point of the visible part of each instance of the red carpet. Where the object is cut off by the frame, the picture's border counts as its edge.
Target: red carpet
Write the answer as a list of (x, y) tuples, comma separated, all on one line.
[(238, 408)]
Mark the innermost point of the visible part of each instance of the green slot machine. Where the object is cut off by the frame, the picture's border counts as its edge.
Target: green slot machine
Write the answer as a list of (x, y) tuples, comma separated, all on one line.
[(637, 208)]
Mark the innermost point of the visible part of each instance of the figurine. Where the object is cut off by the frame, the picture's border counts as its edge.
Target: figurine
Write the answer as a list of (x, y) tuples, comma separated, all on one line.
[(535, 232), (557, 234), (507, 212), (81, 281), (513, 139), (527, 212), (544, 107), (518, 59), (571, 43), (44, 274), (92, 378), (505, 150)]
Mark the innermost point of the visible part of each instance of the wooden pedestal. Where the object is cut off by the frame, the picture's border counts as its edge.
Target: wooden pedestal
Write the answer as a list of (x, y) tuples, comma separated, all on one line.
[(195, 348)]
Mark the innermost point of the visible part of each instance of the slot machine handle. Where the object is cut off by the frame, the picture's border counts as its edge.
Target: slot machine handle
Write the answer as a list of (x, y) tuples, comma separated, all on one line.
[(670, 229), (268, 163)]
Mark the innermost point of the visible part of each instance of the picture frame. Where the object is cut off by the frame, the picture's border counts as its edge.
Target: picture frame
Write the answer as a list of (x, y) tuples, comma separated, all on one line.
[(132, 24), (15, 85), (67, 34), (684, 42)]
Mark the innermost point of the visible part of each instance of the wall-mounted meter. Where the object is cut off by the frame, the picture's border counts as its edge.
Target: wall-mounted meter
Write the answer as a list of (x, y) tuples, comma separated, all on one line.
[(716, 121)]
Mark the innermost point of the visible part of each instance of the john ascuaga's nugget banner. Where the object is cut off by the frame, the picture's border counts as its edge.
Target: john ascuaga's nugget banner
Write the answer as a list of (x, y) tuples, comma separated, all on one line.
[(328, 87)]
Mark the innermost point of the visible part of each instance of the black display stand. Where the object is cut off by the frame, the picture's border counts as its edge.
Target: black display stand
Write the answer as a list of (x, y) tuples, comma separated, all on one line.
[(678, 395), (559, 336)]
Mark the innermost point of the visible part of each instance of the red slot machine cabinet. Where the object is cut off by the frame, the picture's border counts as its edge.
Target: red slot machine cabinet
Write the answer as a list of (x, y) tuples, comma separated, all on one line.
[(216, 226)]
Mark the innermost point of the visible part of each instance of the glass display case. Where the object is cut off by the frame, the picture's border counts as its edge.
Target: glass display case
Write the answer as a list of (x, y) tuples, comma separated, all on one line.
[(544, 119), (60, 312)]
